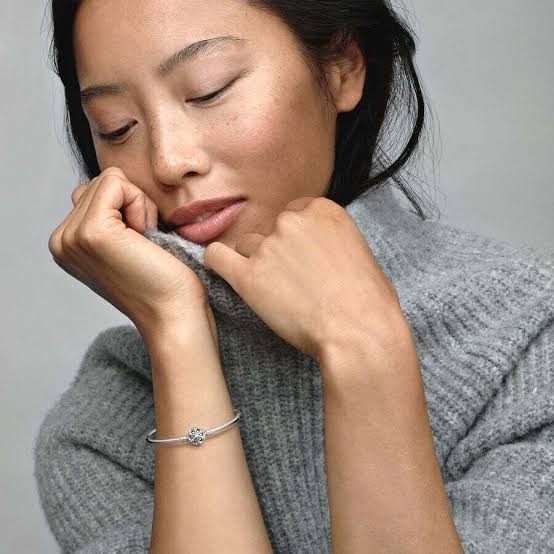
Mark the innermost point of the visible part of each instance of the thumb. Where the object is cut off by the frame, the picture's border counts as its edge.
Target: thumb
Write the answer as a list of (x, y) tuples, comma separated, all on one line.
[(228, 264)]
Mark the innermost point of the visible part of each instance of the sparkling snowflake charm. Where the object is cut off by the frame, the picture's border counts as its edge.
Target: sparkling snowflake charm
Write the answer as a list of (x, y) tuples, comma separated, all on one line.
[(196, 435)]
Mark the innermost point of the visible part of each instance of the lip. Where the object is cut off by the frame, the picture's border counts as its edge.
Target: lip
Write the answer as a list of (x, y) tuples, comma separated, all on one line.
[(213, 226), (187, 214)]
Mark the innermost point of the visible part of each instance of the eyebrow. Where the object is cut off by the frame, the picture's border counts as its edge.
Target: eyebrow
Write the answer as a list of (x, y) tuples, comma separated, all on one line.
[(193, 50)]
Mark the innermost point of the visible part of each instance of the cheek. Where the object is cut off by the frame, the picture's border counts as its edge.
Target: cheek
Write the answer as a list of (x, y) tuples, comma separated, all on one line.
[(262, 137), (262, 133), (132, 160)]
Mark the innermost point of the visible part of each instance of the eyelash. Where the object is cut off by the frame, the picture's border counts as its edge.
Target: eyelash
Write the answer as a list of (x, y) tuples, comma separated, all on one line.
[(112, 137)]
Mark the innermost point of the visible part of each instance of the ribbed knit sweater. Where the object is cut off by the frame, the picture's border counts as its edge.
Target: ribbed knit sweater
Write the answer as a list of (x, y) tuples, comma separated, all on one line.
[(482, 315)]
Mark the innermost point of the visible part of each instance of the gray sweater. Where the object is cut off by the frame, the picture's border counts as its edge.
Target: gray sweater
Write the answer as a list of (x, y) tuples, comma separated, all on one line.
[(482, 315)]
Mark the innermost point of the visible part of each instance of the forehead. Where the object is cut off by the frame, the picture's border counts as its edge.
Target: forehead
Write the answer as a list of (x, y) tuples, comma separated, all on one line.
[(111, 35)]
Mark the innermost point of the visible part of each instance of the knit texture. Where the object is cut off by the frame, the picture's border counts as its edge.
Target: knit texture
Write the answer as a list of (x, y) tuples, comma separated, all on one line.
[(482, 316)]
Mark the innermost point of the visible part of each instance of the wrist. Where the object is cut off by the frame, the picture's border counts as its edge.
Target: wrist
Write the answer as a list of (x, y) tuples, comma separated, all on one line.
[(187, 374), (367, 357), (159, 326), (176, 344), (155, 317)]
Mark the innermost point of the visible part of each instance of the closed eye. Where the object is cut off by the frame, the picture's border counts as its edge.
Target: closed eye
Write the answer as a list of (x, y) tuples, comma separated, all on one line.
[(213, 95), (110, 137), (116, 134)]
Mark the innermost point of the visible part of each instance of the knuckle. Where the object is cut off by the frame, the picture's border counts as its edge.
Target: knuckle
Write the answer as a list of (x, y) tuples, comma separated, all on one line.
[(109, 180), (325, 205), (280, 220), (321, 202), (288, 218), (112, 175), (65, 240), (53, 243), (328, 206), (77, 193), (86, 237), (113, 170)]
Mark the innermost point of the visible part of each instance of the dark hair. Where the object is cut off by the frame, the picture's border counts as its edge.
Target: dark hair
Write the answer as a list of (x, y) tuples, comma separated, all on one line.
[(322, 33)]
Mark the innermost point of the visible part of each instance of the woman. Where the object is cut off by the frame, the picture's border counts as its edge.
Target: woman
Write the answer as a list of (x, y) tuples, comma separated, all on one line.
[(391, 374)]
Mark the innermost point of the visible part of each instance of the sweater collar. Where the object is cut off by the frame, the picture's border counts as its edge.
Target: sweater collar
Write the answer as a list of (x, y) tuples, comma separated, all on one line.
[(375, 212)]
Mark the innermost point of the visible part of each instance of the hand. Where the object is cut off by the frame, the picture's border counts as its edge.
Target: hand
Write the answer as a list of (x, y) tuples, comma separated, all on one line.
[(313, 280), (113, 258)]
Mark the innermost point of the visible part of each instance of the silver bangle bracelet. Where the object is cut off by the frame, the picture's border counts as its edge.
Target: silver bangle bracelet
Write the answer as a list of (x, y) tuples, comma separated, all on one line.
[(196, 435)]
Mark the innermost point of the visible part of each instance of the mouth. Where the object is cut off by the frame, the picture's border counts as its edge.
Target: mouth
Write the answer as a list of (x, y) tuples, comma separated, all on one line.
[(213, 224)]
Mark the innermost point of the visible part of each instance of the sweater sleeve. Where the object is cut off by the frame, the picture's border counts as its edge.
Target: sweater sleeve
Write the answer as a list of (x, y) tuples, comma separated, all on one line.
[(93, 505), (501, 490), (93, 469)]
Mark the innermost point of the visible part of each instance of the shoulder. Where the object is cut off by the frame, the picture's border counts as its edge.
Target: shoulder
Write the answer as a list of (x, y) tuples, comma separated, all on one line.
[(481, 311), (437, 244), (493, 295), (442, 260)]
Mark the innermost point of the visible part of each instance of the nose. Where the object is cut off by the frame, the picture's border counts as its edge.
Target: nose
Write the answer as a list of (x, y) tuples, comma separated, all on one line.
[(176, 151)]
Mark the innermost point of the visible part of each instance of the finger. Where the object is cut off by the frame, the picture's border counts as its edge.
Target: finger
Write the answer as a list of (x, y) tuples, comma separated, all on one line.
[(77, 193), (91, 187), (80, 197), (228, 264), (116, 195), (249, 243), (151, 213), (81, 206), (133, 215), (71, 220)]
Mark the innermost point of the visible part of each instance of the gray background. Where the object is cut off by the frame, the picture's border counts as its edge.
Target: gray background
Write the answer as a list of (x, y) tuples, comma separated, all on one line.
[(488, 70)]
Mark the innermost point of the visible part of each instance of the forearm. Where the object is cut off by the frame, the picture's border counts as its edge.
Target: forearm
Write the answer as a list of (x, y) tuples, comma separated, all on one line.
[(204, 498), (386, 492)]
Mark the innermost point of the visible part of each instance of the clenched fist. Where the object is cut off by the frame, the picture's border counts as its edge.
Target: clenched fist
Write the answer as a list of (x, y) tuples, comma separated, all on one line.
[(113, 257)]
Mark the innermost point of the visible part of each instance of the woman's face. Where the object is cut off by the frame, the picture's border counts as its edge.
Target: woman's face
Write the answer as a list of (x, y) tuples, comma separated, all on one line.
[(269, 137)]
